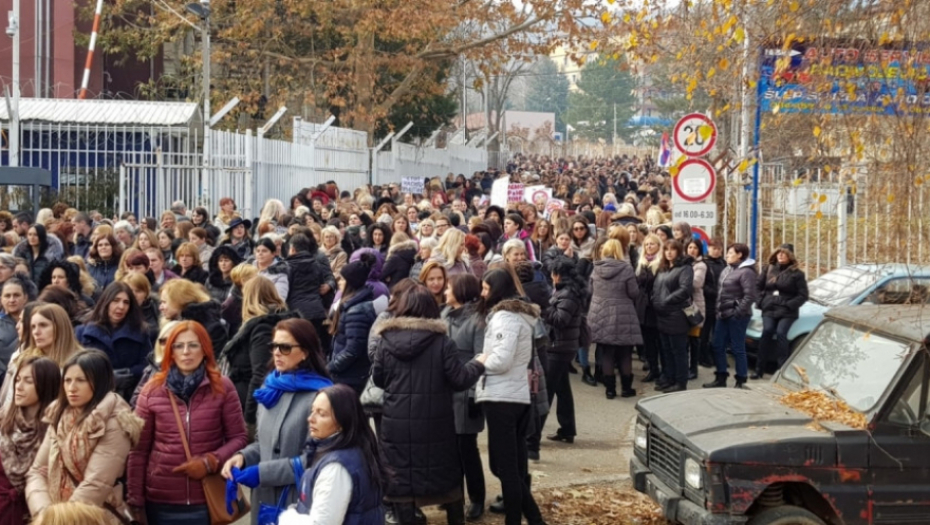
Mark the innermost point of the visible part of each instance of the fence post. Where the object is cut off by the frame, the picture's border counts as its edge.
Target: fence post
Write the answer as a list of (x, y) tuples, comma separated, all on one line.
[(375, 176), (249, 177), (122, 190), (841, 228), (395, 151)]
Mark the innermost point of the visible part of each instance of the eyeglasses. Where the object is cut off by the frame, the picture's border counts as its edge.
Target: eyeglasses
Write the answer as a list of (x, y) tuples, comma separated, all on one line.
[(180, 347), (580, 228), (284, 348)]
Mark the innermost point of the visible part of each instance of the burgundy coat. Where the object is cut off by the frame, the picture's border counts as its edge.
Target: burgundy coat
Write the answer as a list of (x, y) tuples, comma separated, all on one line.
[(215, 426)]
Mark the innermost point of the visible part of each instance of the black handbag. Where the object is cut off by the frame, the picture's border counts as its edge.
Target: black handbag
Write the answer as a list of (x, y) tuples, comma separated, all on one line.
[(694, 315)]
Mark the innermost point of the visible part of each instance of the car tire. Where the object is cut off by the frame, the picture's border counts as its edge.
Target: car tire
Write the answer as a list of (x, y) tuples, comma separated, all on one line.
[(786, 515)]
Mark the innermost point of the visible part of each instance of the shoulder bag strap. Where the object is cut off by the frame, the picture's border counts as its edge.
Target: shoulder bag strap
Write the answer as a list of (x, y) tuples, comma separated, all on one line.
[(177, 417)]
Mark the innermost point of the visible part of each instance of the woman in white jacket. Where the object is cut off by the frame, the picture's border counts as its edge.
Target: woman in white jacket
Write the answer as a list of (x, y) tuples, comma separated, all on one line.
[(504, 391)]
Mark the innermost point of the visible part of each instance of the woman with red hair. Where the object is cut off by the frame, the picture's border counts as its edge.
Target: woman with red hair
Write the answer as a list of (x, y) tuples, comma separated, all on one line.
[(163, 483)]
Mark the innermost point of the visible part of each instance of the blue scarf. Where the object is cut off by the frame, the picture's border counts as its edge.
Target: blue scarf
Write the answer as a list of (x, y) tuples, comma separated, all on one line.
[(277, 383)]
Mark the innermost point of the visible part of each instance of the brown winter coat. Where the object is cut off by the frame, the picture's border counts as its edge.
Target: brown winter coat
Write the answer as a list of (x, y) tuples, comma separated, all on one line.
[(214, 425), (112, 430)]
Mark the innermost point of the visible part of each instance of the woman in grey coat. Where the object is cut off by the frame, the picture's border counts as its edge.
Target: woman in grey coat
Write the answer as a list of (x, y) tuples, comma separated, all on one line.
[(285, 401), (612, 316), (466, 329)]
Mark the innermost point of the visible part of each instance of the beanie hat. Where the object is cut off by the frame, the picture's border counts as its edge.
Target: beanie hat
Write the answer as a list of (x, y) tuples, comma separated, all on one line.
[(610, 207), (356, 273)]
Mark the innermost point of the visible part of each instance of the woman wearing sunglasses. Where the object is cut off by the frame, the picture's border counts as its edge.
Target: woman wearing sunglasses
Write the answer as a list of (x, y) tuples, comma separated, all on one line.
[(285, 402)]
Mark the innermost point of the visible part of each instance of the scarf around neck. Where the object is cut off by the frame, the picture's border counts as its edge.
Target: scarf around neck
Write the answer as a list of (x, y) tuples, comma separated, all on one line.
[(277, 383), (19, 447), (182, 385)]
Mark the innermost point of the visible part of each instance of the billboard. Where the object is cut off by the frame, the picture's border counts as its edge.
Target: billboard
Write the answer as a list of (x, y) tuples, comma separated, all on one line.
[(845, 78)]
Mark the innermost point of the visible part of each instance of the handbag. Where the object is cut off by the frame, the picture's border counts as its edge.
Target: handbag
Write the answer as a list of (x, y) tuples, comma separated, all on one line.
[(214, 485), (694, 315), (268, 514), (372, 397)]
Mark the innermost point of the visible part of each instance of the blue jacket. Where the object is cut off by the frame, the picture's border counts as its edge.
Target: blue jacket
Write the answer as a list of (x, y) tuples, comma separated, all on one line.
[(125, 347), (365, 505), (349, 363), (104, 272)]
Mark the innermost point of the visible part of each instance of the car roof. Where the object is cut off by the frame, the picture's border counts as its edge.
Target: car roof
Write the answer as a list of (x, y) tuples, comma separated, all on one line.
[(911, 321), (892, 268)]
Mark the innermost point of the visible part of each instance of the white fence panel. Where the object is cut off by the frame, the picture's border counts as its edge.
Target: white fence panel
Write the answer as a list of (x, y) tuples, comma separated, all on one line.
[(339, 154)]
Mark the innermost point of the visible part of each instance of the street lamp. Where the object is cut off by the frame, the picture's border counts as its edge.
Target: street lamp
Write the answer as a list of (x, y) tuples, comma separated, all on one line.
[(202, 10)]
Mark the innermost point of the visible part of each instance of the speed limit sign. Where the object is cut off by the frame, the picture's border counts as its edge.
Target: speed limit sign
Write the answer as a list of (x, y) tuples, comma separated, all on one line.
[(695, 135)]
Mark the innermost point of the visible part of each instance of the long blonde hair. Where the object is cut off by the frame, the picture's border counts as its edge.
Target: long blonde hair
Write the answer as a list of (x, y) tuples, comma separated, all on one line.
[(260, 297), (65, 345), (242, 273), (163, 334), (71, 513), (652, 266), (88, 284), (450, 247)]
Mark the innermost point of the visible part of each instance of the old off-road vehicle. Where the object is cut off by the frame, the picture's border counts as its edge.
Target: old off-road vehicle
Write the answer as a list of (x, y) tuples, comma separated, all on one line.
[(856, 452)]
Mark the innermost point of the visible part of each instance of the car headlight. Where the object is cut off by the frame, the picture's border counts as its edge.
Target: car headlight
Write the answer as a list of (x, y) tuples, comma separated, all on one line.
[(640, 436), (693, 474)]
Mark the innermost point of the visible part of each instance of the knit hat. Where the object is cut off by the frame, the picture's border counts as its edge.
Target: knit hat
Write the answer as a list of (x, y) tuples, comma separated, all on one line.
[(610, 207), (356, 273)]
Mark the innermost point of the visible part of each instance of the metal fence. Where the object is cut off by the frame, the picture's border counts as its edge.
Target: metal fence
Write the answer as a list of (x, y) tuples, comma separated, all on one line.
[(834, 218)]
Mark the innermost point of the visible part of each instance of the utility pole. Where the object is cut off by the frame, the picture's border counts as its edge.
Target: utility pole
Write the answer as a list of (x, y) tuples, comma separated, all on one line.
[(742, 204), (613, 142), (13, 31), (205, 188), (464, 104)]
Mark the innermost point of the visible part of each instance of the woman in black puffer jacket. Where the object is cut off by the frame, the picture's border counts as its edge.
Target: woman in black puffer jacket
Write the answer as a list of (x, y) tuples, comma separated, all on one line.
[(734, 310), (564, 317), (671, 294), (223, 259), (782, 288)]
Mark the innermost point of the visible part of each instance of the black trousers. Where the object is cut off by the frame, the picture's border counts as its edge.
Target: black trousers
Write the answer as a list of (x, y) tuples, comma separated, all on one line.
[(471, 466), (706, 353), (652, 348), (559, 386), (507, 424), (777, 329)]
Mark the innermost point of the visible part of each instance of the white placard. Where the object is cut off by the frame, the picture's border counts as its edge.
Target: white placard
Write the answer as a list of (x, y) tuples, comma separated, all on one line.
[(412, 185), (499, 192)]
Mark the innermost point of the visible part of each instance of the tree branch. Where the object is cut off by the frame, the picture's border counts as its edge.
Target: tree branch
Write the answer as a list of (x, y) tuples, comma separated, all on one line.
[(454, 51)]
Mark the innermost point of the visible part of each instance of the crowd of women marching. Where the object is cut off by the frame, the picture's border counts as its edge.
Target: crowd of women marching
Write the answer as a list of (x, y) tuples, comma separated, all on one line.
[(339, 355)]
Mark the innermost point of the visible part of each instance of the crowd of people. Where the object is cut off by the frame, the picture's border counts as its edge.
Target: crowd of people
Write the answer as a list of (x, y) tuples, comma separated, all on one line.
[(340, 354)]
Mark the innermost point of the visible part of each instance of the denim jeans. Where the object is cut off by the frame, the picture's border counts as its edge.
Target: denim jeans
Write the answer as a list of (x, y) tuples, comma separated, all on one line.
[(778, 328), (675, 350), (731, 331), (583, 357)]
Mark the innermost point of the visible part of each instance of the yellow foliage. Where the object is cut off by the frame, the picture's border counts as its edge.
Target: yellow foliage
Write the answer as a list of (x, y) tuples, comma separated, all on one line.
[(816, 131), (606, 18)]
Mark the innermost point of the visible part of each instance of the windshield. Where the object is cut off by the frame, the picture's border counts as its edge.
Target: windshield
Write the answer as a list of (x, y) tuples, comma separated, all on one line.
[(849, 363), (841, 286)]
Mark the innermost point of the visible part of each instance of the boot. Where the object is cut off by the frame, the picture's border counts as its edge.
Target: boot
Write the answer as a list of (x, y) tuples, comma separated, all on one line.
[(740, 381), (626, 386), (694, 348), (455, 513), (586, 376), (611, 383), (758, 374), (720, 382), (651, 376), (677, 387), (599, 374)]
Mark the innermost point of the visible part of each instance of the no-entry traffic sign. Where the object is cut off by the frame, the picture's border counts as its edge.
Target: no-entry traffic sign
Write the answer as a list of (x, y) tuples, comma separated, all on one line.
[(695, 135), (695, 181)]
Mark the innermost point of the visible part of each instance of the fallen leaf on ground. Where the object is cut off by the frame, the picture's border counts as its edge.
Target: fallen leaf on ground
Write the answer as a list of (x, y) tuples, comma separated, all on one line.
[(599, 505), (822, 407)]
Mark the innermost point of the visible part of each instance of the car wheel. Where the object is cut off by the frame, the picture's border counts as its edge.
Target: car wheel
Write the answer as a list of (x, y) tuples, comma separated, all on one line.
[(786, 515)]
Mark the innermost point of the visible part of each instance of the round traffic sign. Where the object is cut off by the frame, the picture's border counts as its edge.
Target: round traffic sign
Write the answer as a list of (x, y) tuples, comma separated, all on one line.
[(695, 135), (701, 235), (695, 181)]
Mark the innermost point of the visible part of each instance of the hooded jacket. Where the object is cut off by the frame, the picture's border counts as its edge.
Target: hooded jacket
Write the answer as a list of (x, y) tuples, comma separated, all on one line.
[(508, 343), (247, 356), (374, 275), (112, 430), (418, 367), (214, 425), (349, 363), (216, 285), (399, 261), (612, 316), (782, 290), (737, 290), (307, 272), (671, 293)]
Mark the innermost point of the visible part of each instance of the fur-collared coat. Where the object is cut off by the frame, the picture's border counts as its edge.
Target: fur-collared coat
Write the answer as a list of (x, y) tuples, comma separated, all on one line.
[(418, 367), (508, 344), (105, 436)]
